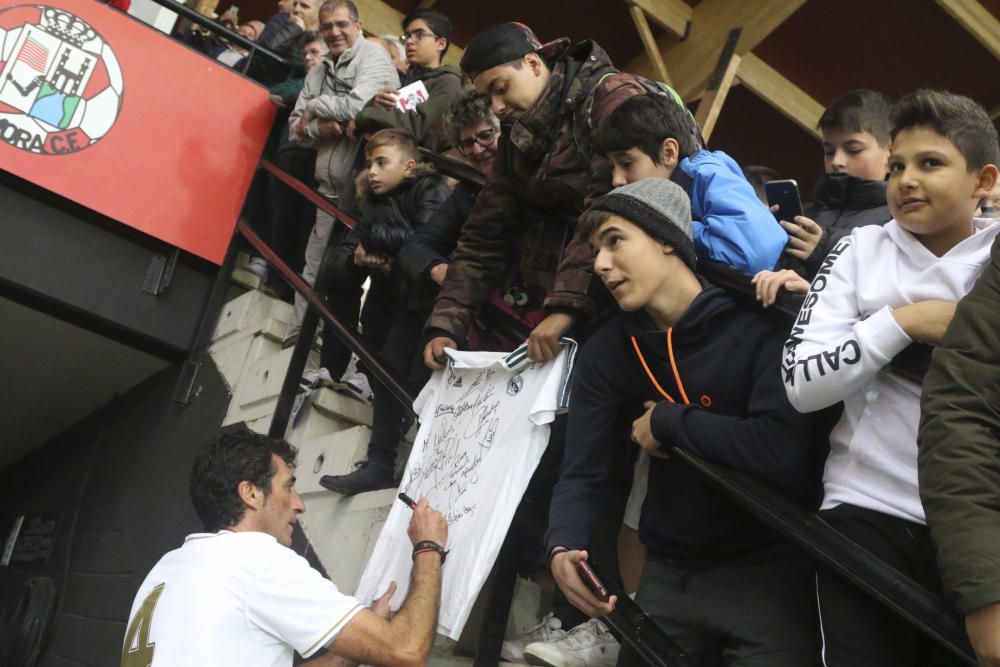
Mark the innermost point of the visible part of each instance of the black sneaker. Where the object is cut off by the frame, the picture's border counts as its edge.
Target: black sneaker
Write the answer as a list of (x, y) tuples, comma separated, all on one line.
[(368, 477)]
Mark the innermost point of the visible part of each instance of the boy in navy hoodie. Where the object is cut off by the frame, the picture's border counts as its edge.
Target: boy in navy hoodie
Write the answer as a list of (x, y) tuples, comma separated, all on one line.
[(702, 370)]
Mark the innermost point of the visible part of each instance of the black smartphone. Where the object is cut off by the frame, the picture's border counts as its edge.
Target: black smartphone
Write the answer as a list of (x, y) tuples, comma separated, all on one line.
[(786, 195), (593, 583)]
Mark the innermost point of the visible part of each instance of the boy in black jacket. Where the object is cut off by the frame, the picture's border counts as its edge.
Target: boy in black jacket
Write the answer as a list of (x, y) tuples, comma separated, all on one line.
[(705, 368), (855, 132), (397, 195)]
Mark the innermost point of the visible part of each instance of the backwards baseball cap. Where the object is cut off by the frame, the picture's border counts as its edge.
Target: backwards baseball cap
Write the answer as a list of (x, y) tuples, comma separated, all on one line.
[(503, 43)]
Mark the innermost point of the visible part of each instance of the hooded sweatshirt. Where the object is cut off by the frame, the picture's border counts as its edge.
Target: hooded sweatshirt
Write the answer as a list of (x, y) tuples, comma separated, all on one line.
[(443, 85), (726, 404), (843, 341)]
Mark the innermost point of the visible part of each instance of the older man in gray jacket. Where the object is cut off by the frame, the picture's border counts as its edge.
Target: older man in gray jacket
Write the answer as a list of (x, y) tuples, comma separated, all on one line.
[(334, 92)]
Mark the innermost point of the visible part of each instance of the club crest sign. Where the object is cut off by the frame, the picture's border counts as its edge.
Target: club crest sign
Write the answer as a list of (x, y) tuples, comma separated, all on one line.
[(60, 83)]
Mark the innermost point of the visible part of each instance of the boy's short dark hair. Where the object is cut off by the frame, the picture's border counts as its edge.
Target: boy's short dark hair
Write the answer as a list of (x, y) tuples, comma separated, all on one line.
[(958, 118), (237, 455), (439, 24), (643, 122), (307, 38), (860, 110), (394, 136), (468, 110), (590, 221)]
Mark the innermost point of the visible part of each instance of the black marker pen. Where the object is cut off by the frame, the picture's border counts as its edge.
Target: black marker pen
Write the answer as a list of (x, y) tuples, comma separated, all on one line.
[(408, 500)]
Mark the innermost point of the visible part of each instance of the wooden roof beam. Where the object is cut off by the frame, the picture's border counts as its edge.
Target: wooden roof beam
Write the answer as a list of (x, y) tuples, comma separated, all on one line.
[(691, 61), (649, 43), (380, 18), (769, 85), (672, 15), (977, 20)]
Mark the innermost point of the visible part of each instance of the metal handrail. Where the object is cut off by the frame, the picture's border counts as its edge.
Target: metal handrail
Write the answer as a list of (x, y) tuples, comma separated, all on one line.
[(220, 29)]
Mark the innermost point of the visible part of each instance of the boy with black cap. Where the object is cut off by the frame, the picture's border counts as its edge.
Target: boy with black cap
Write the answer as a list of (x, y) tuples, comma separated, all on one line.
[(705, 369), (521, 232)]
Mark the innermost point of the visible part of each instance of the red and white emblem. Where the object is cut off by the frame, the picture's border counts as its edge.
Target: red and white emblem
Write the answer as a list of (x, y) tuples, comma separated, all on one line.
[(60, 84)]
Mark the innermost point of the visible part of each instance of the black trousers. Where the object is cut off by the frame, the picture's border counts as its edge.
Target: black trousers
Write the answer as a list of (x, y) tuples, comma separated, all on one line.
[(859, 631), (755, 611), (402, 352)]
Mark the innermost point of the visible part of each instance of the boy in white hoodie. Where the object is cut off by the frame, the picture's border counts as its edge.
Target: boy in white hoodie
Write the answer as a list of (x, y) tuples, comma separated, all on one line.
[(880, 290)]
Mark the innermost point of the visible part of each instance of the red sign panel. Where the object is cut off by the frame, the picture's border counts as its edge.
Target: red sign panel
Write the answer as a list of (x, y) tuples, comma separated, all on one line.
[(112, 114)]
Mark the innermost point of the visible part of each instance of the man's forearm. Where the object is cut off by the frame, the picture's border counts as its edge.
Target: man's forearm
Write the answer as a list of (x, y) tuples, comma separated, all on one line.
[(416, 621)]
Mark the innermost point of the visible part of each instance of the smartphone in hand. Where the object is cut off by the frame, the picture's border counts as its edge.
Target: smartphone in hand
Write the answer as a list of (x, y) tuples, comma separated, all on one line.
[(786, 195), (593, 583)]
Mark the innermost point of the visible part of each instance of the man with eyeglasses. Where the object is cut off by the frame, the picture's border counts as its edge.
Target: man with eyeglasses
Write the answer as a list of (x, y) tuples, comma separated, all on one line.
[(426, 37), (334, 92)]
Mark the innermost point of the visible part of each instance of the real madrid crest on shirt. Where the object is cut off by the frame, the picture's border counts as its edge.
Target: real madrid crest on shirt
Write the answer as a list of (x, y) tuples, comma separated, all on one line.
[(60, 83)]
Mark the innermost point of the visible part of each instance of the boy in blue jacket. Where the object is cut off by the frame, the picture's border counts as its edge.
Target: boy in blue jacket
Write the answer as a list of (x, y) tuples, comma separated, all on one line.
[(650, 135)]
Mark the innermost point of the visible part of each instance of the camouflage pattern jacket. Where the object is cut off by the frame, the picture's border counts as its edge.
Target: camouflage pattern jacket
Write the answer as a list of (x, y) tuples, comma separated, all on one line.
[(521, 231)]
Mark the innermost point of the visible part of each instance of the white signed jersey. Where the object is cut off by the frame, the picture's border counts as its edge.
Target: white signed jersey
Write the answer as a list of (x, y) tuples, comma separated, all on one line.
[(237, 599), (484, 424)]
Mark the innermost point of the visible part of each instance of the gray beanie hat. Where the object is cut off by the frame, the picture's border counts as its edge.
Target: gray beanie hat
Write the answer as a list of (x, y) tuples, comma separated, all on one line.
[(659, 207)]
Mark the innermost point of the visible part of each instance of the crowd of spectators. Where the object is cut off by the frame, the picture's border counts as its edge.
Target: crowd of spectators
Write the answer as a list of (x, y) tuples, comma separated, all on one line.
[(604, 216)]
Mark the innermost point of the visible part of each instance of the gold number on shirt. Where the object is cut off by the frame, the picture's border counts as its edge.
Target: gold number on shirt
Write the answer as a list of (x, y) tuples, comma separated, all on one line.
[(137, 651)]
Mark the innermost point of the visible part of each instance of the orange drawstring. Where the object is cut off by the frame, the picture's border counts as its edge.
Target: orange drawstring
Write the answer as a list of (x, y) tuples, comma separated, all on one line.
[(673, 367)]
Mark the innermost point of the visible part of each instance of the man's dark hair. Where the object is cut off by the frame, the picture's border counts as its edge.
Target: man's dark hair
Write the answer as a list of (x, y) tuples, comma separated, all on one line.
[(468, 110), (644, 122), (331, 6), (860, 111), (439, 24), (236, 456), (957, 118)]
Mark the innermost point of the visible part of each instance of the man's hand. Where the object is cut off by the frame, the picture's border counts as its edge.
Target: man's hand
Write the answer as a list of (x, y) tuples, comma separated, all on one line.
[(427, 525), (769, 282), (351, 129), (434, 352), (328, 127), (438, 272), (385, 98), (381, 606), (298, 20), (642, 432), (564, 571), (277, 101), (925, 321), (300, 125), (983, 627), (543, 343), (803, 236)]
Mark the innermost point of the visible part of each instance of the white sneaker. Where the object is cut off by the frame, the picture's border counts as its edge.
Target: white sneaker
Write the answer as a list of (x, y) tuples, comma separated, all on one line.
[(258, 267), (357, 386), (550, 628), (315, 379), (589, 644)]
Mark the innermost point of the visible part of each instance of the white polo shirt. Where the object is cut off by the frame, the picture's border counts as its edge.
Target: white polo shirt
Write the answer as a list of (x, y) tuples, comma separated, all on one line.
[(237, 599)]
